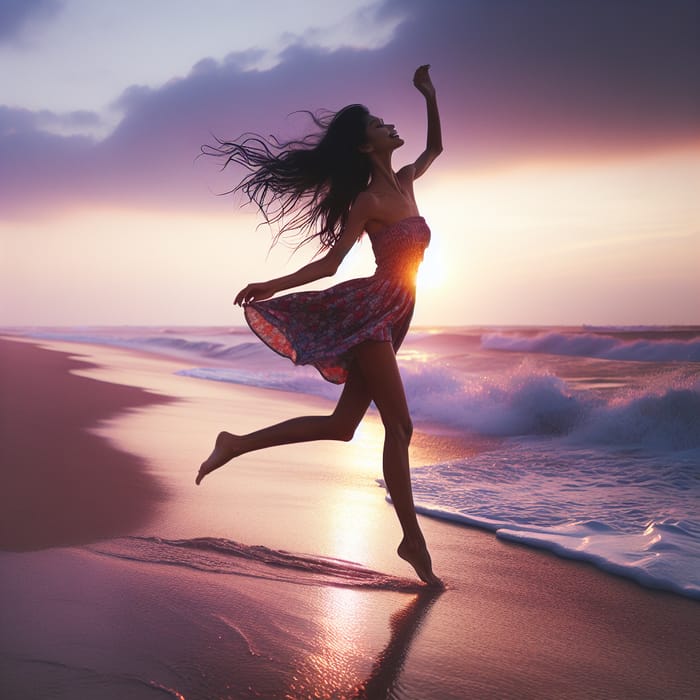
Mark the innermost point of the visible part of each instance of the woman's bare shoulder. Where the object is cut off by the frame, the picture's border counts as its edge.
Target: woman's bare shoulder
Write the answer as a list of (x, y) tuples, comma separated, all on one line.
[(407, 173), (365, 206), (365, 200)]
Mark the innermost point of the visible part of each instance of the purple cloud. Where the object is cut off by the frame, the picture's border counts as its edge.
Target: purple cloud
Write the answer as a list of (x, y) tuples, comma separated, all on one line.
[(514, 79), (567, 75), (77, 119), (15, 14)]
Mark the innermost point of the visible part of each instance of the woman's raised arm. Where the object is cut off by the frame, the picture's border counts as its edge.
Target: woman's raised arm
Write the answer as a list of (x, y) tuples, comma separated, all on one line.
[(433, 147)]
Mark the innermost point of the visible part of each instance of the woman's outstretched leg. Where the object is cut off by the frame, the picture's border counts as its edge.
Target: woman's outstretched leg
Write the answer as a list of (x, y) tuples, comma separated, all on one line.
[(377, 363), (340, 425)]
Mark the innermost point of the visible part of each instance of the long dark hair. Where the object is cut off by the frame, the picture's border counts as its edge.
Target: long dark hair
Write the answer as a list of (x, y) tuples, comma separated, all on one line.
[(304, 187)]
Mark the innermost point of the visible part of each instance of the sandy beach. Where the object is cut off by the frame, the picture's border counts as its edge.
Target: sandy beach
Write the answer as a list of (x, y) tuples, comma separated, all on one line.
[(122, 579)]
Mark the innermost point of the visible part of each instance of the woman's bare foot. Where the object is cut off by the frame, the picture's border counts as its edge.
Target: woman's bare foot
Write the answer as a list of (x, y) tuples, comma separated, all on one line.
[(225, 449), (417, 555)]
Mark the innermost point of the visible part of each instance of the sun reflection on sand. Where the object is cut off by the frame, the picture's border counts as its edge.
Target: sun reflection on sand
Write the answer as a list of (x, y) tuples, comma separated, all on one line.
[(351, 657), (332, 671), (351, 519)]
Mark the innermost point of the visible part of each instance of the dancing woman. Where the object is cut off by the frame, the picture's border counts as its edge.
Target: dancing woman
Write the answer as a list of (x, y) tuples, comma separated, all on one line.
[(333, 187)]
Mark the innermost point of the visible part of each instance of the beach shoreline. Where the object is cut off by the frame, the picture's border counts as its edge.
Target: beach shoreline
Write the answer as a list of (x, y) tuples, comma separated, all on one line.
[(65, 485), (514, 622)]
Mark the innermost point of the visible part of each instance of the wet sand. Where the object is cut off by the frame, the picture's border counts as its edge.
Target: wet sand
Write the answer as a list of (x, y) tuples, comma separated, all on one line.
[(61, 483), (78, 623)]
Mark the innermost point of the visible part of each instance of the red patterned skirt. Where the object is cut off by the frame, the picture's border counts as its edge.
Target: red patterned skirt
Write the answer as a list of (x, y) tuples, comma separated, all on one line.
[(322, 328)]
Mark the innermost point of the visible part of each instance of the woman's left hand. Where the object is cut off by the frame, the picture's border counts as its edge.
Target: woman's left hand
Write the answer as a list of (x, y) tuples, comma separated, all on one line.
[(422, 81), (255, 291)]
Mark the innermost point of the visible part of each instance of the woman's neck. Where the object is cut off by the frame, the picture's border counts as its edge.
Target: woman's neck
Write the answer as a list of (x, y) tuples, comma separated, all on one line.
[(383, 174)]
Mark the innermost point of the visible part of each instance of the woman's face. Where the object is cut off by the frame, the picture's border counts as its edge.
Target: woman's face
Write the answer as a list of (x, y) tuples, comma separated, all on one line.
[(381, 136)]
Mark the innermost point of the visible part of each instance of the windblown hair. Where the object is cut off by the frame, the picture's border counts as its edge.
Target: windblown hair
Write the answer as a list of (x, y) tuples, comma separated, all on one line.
[(305, 187)]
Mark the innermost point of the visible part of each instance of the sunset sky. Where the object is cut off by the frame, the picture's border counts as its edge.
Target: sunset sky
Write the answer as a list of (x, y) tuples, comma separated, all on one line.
[(568, 192)]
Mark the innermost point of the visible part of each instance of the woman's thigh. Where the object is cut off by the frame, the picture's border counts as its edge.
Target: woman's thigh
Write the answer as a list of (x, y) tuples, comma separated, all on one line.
[(376, 361), (354, 400)]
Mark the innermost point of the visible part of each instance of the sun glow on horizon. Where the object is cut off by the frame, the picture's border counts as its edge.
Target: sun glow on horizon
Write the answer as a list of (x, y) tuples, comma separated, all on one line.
[(548, 243), (554, 242)]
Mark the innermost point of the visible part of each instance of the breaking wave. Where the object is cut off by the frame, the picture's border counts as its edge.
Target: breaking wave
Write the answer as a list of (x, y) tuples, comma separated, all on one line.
[(607, 347)]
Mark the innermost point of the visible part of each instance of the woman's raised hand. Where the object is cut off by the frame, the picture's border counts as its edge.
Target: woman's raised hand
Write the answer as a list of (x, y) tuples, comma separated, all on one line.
[(255, 291), (422, 81)]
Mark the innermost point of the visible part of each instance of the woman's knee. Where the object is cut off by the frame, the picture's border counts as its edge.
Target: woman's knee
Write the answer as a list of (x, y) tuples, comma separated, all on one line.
[(399, 429), (342, 427)]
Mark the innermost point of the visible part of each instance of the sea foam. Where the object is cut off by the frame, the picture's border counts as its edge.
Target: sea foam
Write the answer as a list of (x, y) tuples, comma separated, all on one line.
[(632, 515), (649, 557)]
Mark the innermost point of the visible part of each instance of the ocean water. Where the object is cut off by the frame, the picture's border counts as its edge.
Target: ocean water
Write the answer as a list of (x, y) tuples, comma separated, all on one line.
[(594, 432)]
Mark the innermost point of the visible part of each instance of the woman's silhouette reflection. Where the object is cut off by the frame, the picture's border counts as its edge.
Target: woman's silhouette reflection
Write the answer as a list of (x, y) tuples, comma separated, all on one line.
[(404, 625)]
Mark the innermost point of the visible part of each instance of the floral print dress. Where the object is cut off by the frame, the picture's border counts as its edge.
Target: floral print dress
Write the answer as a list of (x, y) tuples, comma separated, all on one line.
[(321, 328)]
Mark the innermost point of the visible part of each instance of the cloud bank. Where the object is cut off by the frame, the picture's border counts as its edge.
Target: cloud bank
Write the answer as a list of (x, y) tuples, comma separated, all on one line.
[(15, 15), (516, 80)]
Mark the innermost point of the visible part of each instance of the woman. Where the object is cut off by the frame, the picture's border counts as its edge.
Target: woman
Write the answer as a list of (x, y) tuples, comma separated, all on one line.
[(333, 188)]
